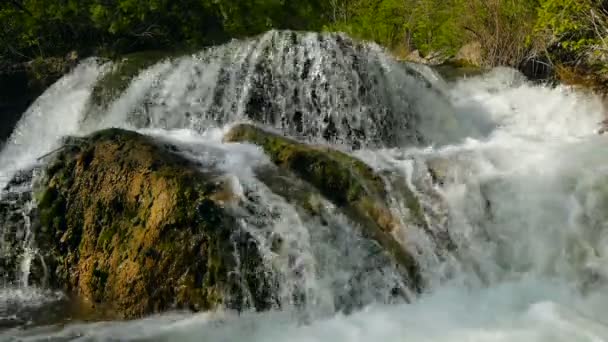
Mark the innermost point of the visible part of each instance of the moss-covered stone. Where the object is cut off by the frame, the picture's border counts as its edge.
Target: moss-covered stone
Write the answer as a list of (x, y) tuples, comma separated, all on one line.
[(340, 177), (348, 182), (127, 222)]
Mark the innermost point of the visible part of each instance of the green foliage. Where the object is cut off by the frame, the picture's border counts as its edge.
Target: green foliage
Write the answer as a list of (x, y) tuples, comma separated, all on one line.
[(437, 26), (383, 22), (566, 20), (402, 24), (442, 25), (503, 28), (571, 24), (41, 28), (576, 32), (507, 30)]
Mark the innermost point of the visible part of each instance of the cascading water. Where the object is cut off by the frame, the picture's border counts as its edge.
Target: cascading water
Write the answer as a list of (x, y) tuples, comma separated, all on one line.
[(512, 179), (314, 86)]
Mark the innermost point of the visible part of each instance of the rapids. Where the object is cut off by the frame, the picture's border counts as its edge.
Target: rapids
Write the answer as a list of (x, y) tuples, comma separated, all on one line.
[(514, 172)]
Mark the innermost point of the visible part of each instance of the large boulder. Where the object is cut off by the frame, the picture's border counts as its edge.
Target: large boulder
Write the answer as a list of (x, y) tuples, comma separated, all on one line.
[(348, 182), (127, 222)]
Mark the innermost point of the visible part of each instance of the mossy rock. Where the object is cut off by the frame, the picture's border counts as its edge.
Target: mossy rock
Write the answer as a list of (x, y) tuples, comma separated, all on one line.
[(127, 222), (348, 182)]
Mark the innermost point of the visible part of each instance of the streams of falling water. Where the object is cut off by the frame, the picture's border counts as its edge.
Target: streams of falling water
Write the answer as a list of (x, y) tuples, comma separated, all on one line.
[(319, 87), (29, 250)]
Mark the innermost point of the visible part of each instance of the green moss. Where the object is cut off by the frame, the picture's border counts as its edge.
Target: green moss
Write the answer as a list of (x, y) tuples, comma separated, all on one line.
[(52, 209), (341, 178), (48, 198), (106, 236), (111, 134)]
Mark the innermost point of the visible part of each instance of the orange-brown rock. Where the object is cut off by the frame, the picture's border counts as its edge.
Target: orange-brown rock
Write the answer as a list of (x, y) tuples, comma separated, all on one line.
[(129, 223)]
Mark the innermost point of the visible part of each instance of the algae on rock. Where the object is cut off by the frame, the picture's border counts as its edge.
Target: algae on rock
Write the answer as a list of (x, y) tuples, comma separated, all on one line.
[(346, 181), (127, 222)]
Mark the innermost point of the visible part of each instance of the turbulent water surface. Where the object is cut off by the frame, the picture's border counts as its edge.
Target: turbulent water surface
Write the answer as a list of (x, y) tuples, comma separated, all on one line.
[(514, 172)]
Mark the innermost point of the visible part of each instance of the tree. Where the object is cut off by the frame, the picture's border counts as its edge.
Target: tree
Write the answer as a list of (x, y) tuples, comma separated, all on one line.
[(504, 28)]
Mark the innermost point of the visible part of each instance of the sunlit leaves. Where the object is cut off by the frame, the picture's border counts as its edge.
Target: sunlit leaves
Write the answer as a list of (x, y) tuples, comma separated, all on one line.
[(568, 22)]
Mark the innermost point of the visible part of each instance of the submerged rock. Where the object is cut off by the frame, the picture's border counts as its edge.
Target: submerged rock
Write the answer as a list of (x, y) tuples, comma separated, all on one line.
[(127, 222), (346, 181)]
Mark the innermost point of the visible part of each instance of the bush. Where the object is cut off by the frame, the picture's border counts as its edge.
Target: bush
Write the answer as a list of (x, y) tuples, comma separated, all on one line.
[(575, 30), (502, 28), (508, 31), (401, 25)]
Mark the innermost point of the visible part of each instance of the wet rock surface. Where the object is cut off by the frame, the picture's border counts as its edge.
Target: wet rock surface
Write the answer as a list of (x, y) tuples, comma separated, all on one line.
[(127, 222)]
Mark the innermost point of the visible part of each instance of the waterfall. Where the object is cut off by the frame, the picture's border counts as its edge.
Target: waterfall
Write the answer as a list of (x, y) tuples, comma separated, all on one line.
[(319, 87), (511, 177)]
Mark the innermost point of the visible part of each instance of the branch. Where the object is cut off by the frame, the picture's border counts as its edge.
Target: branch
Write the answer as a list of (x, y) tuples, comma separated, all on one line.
[(473, 31), (147, 33), (597, 33), (16, 52)]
